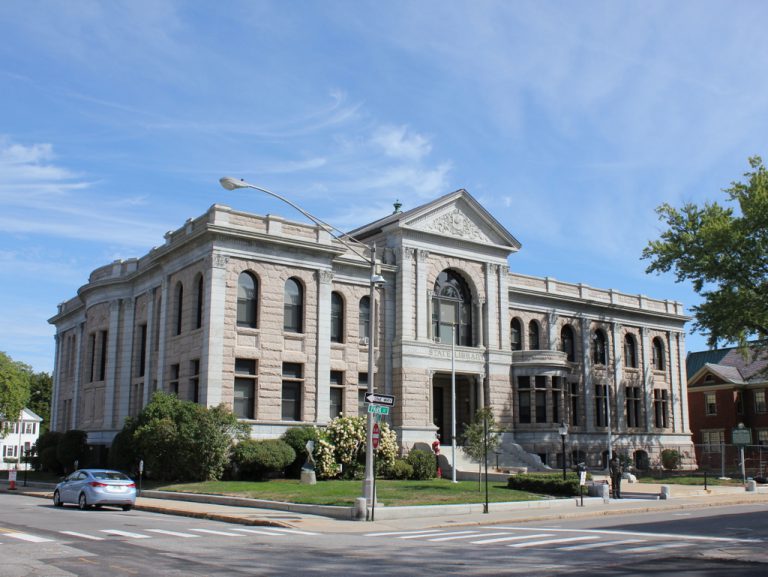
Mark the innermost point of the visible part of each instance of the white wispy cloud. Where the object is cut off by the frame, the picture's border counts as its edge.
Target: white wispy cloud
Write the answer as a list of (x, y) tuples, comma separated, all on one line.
[(401, 142)]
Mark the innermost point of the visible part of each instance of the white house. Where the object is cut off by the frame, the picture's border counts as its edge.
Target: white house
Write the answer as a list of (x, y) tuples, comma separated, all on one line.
[(19, 437)]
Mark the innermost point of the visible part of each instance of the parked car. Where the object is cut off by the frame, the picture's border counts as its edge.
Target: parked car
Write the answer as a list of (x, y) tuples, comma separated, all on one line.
[(96, 487)]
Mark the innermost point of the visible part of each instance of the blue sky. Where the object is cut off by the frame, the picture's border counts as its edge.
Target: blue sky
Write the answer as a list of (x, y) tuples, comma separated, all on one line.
[(569, 121)]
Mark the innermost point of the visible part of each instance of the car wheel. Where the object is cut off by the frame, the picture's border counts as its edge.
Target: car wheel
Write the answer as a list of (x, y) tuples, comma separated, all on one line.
[(82, 502), (57, 499), (127, 507)]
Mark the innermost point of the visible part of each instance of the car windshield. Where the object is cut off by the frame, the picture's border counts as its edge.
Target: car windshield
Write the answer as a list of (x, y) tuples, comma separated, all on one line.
[(110, 476)]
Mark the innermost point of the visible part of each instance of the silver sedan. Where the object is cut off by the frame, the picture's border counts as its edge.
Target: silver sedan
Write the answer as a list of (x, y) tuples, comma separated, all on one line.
[(96, 487)]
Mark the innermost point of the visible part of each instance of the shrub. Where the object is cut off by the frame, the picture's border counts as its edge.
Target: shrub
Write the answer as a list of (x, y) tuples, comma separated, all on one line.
[(400, 470), (47, 444), (257, 459), (670, 459), (424, 464), (122, 453), (49, 461), (297, 438), (546, 484)]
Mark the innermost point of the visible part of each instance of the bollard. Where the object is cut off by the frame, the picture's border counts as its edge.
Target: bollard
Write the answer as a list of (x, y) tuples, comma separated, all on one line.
[(751, 486), (664, 492), (361, 508)]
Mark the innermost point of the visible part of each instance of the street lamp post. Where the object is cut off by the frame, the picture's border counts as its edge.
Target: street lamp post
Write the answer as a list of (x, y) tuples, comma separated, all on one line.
[(563, 430), (376, 280)]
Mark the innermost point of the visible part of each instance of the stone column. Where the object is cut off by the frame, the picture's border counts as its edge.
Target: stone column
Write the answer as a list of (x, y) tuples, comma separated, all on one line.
[(123, 383), (647, 377), (423, 298), (551, 331), (162, 329), (76, 382), (586, 363), (214, 325), (682, 383), (490, 336), (405, 294), (478, 314), (323, 356), (150, 346), (503, 312), (110, 384), (56, 380), (618, 399)]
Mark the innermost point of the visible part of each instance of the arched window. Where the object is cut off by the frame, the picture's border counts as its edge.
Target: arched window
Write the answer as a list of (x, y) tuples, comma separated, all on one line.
[(337, 318), (599, 349), (365, 319), (293, 307), (247, 300), (630, 352), (658, 354), (452, 307), (200, 288), (179, 311), (568, 343), (533, 336), (516, 334)]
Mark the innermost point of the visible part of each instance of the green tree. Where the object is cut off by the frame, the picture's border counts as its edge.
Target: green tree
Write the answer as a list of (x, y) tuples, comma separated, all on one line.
[(723, 250), (73, 448), (14, 388), (40, 388), (481, 436)]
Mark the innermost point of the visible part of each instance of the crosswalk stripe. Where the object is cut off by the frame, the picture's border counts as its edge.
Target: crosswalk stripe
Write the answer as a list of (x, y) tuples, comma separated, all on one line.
[(82, 535), (513, 538), (395, 533), (260, 532), (421, 535), (654, 547), (28, 537), (646, 534), (124, 534), (292, 531), (213, 532), (601, 545), (455, 536), (552, 541), (172, 533)]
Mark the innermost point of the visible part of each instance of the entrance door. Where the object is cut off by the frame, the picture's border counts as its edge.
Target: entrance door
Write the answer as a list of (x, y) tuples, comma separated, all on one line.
[(438, 412)]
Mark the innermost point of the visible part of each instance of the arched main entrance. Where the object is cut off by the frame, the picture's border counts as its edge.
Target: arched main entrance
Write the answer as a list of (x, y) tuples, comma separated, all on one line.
[(467, 403)]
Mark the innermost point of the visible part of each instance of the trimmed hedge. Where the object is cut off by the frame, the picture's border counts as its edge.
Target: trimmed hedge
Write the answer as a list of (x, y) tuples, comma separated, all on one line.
[(424, 464), (257, 459), (400, 470), (546, 484), (297, 438)]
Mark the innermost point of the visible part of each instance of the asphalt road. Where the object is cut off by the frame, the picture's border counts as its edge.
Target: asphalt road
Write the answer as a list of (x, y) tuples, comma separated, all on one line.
[(38, 540)]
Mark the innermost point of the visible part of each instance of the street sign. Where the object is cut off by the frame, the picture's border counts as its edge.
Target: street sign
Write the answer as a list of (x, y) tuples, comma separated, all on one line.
[(378, 410), (741, 435), (375, 436), (376, 399)]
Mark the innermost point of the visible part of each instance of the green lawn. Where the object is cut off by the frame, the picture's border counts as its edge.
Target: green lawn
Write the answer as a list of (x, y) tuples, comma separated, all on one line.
[(689, 480), (391, 493)]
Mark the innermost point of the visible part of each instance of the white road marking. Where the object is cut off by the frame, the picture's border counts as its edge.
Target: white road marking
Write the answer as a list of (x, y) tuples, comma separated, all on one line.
[(601, 544), (391, 533), (172, 533), (212, 532), (28, 537), (553, 541), (124, 534), (632, 533), (82, 535), (457, 535), (515, 538), (419, 536), (292, 531), (259, 532)]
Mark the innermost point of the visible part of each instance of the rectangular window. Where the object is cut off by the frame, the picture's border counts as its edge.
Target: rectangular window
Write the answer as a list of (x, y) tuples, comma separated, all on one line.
[(760, 406), (92, 355), (713, 440), (710, 404), (244, 402), (194, 381), (660, 408), (337, 394), (633, 406), (142, 348), (362, 384), (601, 404), (103, 359), (762, 436), (575, 402), (173, 383), (524, 399), (556, 399), (293, 382)]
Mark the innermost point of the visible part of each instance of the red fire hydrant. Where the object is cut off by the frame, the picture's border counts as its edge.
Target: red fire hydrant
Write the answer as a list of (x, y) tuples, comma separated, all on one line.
[(436, 449)]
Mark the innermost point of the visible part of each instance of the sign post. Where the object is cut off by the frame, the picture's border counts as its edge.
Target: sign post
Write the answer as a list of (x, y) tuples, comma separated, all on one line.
[(741, 436), (377, 405), (375, 436)]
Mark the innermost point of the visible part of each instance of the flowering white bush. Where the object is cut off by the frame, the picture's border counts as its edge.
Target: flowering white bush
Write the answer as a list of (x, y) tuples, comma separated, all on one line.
[(387, 451), (326, 465)]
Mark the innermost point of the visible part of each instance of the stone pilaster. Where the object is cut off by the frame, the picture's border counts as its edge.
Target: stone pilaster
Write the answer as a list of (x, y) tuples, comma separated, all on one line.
[(682, 383), (503, 312), (56, 381), (423, 298), (406, 282), (647, 377), (162, 336), (323, 357), (586, 363), (490, 336), (214, 322), (150, 346), (618, 372), (77, 381), (112, 376), (123, 382)]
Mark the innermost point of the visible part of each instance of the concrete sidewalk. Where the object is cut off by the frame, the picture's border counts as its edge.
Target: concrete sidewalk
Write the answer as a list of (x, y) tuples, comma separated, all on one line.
[(639, 498)]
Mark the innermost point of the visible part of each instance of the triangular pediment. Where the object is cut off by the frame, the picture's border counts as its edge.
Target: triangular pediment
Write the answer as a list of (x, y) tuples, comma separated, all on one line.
[(459, 216)]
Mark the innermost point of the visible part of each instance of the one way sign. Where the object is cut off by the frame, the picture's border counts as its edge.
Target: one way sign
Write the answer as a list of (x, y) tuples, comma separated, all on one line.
[(375, 399)]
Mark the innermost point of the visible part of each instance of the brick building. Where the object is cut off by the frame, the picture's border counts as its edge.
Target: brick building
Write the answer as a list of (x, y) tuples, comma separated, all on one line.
[(271, 317)]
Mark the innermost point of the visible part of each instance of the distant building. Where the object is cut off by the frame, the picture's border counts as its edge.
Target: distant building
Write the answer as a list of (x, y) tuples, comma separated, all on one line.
[(725, 388), (19, 437), (270, 317)]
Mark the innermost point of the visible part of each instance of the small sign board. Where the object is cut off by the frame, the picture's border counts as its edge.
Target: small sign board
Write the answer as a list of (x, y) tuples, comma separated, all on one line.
[(377, 399), (582, 478), (375, 435), (378, 409), (741, 436), (12, 475)]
